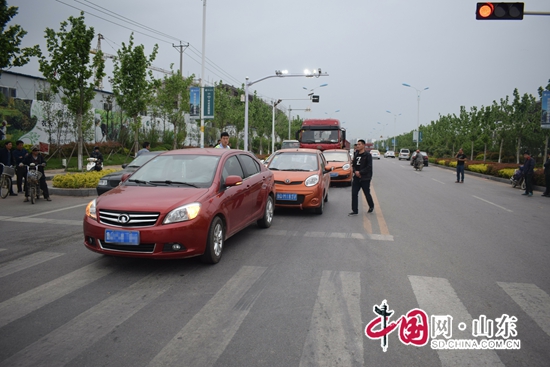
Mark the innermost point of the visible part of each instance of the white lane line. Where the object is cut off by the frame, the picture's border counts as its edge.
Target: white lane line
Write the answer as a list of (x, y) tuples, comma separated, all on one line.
[(488, 202), (436, 296), (26, 262), (25, 303), (3, 249), (68, 341), (207, 334), (70, 222), (533, 300), (57, 210), (357, 236), (441, 182), (335, 333)]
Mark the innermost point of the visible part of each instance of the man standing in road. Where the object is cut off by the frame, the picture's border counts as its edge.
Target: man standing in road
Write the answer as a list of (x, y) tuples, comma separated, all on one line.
[(362, 175), (528, 171), (460, 159), (547, 175), (224, 141)]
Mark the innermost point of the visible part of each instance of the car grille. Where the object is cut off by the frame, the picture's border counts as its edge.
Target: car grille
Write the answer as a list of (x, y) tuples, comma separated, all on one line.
[(290, 183), (142, 247), (287, 202), (128, 219)]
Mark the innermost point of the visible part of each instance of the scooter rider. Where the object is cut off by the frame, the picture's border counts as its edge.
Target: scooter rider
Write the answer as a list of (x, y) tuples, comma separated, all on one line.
[(418, 159), (40, 162), (97, 155)]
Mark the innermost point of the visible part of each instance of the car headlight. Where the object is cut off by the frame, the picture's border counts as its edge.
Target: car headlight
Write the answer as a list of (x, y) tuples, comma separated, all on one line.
[(346, 166), (102, 183), (312, 180), (90, 210), (183, 213)]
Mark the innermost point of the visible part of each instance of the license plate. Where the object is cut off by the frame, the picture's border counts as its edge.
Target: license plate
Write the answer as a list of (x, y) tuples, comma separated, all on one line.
[(287, 197), (334, 174), (122, 237)]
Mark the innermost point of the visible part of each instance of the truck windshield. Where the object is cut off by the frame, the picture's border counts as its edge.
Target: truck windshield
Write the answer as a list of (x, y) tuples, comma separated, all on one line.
[(320, 136)]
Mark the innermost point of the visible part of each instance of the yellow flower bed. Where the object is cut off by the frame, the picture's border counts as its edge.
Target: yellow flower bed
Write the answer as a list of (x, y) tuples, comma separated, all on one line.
[(452, 164), (441, 163), (481, 168), (80, 180), (506, 172)]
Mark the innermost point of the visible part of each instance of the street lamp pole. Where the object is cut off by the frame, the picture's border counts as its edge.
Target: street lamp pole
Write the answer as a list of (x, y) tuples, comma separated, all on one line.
[(418, 91), (275, 103), (394, 126), (278, 74)]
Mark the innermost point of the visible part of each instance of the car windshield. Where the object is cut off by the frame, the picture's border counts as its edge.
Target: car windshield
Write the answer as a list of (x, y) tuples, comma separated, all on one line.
[(141, 160), (190, 170), (320, 136), (294, 162), (336, 156)]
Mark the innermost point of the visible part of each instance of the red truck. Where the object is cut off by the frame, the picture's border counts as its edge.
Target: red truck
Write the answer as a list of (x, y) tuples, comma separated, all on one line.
[(322, 134)]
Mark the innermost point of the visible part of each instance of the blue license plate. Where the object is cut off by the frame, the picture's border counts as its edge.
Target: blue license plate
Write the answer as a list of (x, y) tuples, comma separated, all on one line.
[(122, 237), (287, 197), (334, 174)]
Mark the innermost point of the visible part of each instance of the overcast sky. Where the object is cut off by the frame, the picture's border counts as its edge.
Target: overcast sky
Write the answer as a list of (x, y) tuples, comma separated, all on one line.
[(368, 48)]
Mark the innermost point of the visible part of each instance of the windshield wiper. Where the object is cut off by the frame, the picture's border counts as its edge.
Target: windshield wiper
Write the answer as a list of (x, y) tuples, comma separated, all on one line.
[(140, 182), (274, 169), (169, 182)]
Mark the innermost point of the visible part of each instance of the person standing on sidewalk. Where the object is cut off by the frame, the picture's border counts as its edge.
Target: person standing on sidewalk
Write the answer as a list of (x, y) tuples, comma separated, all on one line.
[(547, 175), (460, 159), (224, 141), (6, 157), (362, 175), (19, 154), (145, 148), (528, 171)]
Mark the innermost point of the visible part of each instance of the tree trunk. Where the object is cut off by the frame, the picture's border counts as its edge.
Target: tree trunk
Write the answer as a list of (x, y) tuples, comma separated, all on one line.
[(517, 150), (485, 152), (80, 140), (472, 152), (500, 150)]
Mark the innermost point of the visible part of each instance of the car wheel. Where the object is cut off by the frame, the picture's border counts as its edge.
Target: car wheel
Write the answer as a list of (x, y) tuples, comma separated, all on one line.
[(523, 185), (320, 209), (214, 243), (267, 219)]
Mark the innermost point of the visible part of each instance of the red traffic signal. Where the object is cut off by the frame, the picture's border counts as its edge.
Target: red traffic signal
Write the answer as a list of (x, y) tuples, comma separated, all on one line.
[(504, 11)]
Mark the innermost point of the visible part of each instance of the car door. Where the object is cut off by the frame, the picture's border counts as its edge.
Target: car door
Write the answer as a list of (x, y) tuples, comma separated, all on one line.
[(325, 174), (233, 198), (253, 183)]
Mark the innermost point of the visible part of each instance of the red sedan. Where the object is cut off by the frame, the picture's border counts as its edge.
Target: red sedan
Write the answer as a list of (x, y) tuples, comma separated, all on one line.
[(182, 203)]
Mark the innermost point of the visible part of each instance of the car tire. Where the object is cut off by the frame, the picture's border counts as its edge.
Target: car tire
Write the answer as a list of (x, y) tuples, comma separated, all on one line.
[(214, 242), (319, 210), (267, 219)]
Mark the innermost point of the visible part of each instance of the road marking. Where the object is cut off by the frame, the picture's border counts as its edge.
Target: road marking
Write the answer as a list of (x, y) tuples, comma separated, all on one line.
[(32, 300), (379, 216), (436, 296), (335, 333), (56, 210), (213, 327), (26, 262), (68, 341), (441, 182), (533, 300), (357, 236), (488, 202), (3, 249), (69, 222)]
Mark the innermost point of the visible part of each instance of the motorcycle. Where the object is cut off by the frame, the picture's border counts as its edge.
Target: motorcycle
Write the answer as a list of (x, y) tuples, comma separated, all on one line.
[(518, 178), (33, 181), (94, 164), (418, 164)]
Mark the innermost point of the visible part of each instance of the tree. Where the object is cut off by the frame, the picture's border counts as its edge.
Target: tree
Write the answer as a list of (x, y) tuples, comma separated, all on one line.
[(69, 69), (10, 40), (131, 87)]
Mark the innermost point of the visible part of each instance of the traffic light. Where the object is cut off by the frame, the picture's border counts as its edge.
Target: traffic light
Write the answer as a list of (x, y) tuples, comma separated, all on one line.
[(315, 99), (498, 11)]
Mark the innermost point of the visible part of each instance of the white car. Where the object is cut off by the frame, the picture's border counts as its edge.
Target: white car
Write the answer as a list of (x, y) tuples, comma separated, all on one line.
[(375, 154), (389, 154), (404, 154)]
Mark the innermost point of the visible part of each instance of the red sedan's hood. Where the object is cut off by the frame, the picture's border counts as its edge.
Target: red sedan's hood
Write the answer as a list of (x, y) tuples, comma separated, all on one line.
[(140, 198)]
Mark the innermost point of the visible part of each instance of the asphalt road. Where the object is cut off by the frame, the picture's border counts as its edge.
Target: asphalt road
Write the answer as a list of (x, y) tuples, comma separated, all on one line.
[(473, 258)]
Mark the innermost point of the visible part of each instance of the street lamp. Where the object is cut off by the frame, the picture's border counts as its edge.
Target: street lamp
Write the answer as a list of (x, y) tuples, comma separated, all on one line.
[(418, 91), (275, 103), (394, 126), (278, 74)]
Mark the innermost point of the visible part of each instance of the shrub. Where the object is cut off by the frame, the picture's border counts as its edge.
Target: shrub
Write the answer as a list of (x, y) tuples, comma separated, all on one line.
[(452, 164), (481, 168), (80, 180), (506, 172)]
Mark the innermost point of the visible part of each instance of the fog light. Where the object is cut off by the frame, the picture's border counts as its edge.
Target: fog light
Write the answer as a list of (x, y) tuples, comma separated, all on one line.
[(176, 247)]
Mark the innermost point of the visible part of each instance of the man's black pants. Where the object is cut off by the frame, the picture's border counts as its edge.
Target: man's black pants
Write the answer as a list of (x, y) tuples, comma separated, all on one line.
[(357, 185)]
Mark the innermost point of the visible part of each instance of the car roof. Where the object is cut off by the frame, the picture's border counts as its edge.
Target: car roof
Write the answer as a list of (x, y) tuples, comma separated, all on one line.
[(336, 150), (204, 151)]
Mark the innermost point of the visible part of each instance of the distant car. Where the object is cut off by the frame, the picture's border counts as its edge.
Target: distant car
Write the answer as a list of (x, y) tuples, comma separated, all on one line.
[(183, 203), (424, 156), (112, 180), (389, 154), (375, 154), (404, 154), (290, 144), (302, 179), (339, 163)]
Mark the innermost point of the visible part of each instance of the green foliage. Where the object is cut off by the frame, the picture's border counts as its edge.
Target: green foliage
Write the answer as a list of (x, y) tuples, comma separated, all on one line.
[(80, 180)]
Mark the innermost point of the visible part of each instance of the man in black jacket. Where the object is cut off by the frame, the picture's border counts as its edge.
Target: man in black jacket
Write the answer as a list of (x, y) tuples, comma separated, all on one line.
[(40, 163), (7, 157), (528, 171), (362, 175)]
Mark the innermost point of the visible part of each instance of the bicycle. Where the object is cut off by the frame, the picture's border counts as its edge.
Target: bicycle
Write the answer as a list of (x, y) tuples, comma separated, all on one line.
[(33, 181), (6, 180)]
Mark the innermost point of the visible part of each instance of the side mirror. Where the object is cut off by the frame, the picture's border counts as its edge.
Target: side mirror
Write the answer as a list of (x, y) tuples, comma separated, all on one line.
[(233, 181), (125, 177), (125, 165)]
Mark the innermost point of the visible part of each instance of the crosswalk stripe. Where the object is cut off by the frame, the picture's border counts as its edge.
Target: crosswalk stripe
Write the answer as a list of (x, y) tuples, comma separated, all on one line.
[(533, 300), (27, 262), (335, 333), (212, 328), (436, 296), (68, 341), (25, 303)]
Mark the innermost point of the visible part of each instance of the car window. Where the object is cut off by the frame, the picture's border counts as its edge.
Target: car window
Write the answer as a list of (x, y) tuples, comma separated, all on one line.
[(251, 167), (232, 167), (336, 156), (295, 162)]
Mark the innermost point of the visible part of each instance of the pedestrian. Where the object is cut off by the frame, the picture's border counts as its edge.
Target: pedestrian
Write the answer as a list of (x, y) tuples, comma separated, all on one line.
[(362, 175), (528, 172), (224, 141), (7, 157), (3, 129), (39, 162), (460, 159), (547, 175), (145, 148), (20, 153)]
